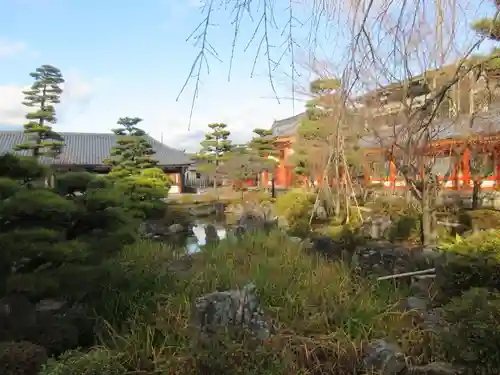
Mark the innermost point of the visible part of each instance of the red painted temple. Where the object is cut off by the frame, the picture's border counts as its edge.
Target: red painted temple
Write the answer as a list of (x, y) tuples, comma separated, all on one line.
[(465, 147)]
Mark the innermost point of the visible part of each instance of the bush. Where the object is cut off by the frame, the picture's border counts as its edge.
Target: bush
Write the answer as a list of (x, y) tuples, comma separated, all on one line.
[(405, 227), (473, 261), (21, 358), (295, 207), (97, 361), (472, 331), (485, 219)]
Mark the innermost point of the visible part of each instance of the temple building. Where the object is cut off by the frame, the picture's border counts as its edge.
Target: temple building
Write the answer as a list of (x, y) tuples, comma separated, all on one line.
[(463, 137)]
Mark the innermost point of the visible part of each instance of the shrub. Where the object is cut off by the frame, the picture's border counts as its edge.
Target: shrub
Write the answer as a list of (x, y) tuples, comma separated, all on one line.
[(485, 219), (21, 358), (473, 261), (97, 361), (405, 227), (295, 207), (472, 331)]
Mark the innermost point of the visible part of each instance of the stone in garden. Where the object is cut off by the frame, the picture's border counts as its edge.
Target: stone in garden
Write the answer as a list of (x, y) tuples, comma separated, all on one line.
[(436, 368), (329, 248), (231, 309), (211, 235), (175, 228), (321, 213), (385, 358)]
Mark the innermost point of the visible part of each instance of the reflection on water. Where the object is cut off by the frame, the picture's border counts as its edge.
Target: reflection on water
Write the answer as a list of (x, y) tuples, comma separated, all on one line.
[(198, 239)]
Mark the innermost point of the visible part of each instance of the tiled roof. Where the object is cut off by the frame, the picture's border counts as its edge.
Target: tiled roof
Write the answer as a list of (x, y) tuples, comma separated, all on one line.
[(484, 123), (91, 149), (287, 127)]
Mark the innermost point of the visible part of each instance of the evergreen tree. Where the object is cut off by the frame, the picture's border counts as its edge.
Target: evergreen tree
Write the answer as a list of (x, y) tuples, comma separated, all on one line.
[(264, 150), (214, 150), (44, 93), (133, 169), (132, 152), (488, 27)]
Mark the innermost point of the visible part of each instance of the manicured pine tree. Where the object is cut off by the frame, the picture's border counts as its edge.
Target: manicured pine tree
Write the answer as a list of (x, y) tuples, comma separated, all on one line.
[(214, 150), (263, 148), (43, 94), (132, 152)]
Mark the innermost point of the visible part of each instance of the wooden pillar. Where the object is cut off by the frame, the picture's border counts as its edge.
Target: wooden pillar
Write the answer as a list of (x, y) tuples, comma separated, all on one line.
[(265, 178), (392, 173)]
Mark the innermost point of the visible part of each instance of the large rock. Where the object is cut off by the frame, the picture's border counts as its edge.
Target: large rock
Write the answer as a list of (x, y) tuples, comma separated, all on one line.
[(329, 248), (384, 358), (231, 309), (384, 259)]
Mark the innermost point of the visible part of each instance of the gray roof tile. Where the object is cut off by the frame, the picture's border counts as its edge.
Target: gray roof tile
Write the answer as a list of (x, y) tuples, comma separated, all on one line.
[(91, 149), (288, 126)]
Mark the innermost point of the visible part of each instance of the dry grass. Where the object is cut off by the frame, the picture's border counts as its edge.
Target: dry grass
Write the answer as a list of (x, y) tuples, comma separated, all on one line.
[(322, 313)]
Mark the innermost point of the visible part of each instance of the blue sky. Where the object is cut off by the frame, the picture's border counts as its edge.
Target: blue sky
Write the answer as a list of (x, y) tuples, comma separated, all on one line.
[(130, 58)]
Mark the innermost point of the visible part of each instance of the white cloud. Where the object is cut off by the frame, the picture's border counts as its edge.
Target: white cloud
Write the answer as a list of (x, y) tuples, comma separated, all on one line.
[(76, 96), (9, 48), (94, 105)]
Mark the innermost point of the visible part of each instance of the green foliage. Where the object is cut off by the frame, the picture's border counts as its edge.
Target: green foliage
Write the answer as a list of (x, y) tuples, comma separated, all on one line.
[(44, 93), (97, 361), (132, 152), (488, 27), (403, 228), (134, 170), (46, 236), (264, 150), (214, 148), (472, 331), (472, 261), (24, 168), (21, 358), (295, 207), (240, 165)]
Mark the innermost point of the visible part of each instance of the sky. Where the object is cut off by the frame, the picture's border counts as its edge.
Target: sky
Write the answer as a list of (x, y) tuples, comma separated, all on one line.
[(130, 58)]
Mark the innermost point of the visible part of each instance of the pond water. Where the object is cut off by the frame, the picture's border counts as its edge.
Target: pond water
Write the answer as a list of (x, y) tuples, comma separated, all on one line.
[(197, 239)]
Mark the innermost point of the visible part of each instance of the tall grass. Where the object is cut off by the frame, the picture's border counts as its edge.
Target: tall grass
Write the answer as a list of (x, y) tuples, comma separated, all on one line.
[(322, 314)]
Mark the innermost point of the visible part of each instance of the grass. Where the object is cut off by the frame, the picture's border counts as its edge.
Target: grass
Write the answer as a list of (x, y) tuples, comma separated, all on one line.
[(322, 314)]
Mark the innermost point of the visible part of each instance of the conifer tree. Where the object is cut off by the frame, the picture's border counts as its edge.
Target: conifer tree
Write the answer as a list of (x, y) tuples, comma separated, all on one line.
[(214, 150), (132, 152), (43, 94), (263, 149), (489, 27)]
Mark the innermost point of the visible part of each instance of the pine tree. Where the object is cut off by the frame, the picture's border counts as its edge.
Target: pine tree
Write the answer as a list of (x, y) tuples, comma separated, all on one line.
[(489, 27), (132, 152), (44, 93), (133, 169), (263, 148), (214, 149)]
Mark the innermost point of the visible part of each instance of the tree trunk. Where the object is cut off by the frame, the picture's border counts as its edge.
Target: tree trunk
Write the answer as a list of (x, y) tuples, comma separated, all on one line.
[(427, 216), (475, 194)]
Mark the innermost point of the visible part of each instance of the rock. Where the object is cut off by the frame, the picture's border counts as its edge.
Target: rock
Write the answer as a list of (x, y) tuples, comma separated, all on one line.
[(329, 248), (436, 368), (255, 223), (17, 314), (384, 259), (321, 213), (234, 308), (378, 226), (384, 358), (50, 305), (211, 235), (175, 228)]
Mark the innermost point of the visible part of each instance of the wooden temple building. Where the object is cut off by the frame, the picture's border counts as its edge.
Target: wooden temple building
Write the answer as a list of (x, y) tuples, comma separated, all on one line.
[(463, 144)]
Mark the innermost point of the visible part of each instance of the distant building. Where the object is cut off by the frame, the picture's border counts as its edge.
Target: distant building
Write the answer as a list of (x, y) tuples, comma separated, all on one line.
[(89, 150)]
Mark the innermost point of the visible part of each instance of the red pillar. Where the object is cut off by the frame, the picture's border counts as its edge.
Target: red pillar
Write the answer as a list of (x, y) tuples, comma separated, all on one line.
[(465, 164)]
